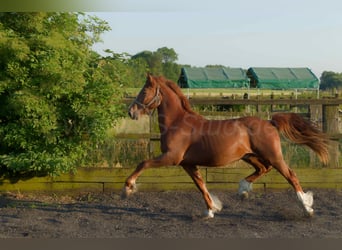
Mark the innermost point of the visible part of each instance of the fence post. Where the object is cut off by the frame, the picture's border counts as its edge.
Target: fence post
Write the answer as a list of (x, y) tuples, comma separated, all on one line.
[(316, 114), (330, 126), (330, 119)]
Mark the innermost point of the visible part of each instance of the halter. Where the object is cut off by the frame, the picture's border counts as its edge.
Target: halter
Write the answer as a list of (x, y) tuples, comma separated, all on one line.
[(155, 99)]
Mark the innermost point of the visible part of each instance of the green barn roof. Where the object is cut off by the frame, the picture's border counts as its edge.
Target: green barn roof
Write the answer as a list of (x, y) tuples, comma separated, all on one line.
[(212, 77), (282, 78)]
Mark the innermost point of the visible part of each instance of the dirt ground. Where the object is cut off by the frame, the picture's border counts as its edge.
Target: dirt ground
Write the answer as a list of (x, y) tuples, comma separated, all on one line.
[(168, 214)]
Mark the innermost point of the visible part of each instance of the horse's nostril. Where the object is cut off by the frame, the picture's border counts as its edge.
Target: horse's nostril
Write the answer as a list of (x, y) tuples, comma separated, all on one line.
[(133, 115)]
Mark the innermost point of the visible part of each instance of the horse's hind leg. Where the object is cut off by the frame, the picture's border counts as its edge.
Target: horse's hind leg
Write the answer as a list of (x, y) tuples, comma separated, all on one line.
[(212, 202), (261, 167), (306, 199)]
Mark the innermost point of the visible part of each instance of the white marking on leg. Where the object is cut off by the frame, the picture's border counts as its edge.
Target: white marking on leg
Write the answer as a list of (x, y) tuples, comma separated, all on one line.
[(216, 203), (209, 214), (244, 188), (307, 201), (217, 206)]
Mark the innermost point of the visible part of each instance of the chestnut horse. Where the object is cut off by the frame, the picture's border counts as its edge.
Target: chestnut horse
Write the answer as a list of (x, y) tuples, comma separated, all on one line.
[(189, 140)]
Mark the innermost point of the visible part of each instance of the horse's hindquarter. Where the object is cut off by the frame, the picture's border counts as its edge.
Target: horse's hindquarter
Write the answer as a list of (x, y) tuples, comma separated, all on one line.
[(217, 143)]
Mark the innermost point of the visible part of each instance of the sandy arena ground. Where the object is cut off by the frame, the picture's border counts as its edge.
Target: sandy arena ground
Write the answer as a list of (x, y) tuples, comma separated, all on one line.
[(169, 214)]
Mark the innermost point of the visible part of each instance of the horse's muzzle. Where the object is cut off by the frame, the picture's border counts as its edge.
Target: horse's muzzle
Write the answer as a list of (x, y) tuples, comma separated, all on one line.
[(133, 112), (133, 115)]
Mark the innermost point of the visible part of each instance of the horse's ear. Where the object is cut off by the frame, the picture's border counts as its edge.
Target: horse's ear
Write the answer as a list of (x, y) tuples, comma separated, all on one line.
[(150, 78)]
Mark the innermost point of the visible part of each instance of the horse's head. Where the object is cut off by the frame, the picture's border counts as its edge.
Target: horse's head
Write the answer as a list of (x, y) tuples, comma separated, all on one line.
[(148, 99)]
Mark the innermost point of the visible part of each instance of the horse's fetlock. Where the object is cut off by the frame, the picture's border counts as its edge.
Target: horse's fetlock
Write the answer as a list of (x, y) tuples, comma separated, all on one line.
[(128, 189)]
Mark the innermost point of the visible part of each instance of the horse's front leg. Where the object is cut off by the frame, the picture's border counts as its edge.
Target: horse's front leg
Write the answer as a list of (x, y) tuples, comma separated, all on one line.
[(130, 185), (166, 159), (212, 202)]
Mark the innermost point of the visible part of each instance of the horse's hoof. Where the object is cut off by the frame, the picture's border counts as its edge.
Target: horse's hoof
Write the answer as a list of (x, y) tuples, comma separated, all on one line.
[(244, 195), (309, 212), (127, 191), (124, 193)]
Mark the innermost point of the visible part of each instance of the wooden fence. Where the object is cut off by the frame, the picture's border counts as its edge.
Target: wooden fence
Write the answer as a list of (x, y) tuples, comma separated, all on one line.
[(170, 178)]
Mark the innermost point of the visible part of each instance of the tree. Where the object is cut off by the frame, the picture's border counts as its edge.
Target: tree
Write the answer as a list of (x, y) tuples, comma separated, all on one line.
[(133, 70), (160, 62), (167, 55), (331, 80), (153, 61), (57, 97)]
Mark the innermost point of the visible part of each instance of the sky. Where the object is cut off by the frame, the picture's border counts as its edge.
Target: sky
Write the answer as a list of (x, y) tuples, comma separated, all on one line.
[(249, 33)]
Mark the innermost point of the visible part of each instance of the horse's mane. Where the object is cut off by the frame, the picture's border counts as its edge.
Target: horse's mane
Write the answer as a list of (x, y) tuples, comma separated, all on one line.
[(184, 101)]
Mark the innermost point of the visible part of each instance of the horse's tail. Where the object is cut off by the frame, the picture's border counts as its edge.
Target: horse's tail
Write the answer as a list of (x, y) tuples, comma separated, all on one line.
[(303, 132)]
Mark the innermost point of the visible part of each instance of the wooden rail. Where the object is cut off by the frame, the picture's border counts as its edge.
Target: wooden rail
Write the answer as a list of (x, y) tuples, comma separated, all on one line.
[(169, 178), (229, 101)]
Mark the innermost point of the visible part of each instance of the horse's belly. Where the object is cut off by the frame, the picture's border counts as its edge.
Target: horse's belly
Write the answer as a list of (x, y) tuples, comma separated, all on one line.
[(214, 153)]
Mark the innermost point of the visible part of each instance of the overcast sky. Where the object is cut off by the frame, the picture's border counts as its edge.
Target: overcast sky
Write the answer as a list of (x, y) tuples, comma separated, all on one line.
[(249, 33)]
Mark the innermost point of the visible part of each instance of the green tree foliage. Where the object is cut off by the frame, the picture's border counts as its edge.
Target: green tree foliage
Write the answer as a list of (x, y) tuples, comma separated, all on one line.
[(134, 70), (160, 62), (57, 97), (331, 80)]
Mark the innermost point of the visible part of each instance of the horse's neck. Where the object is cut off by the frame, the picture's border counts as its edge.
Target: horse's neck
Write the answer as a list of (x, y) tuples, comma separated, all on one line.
[(169, 110)]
